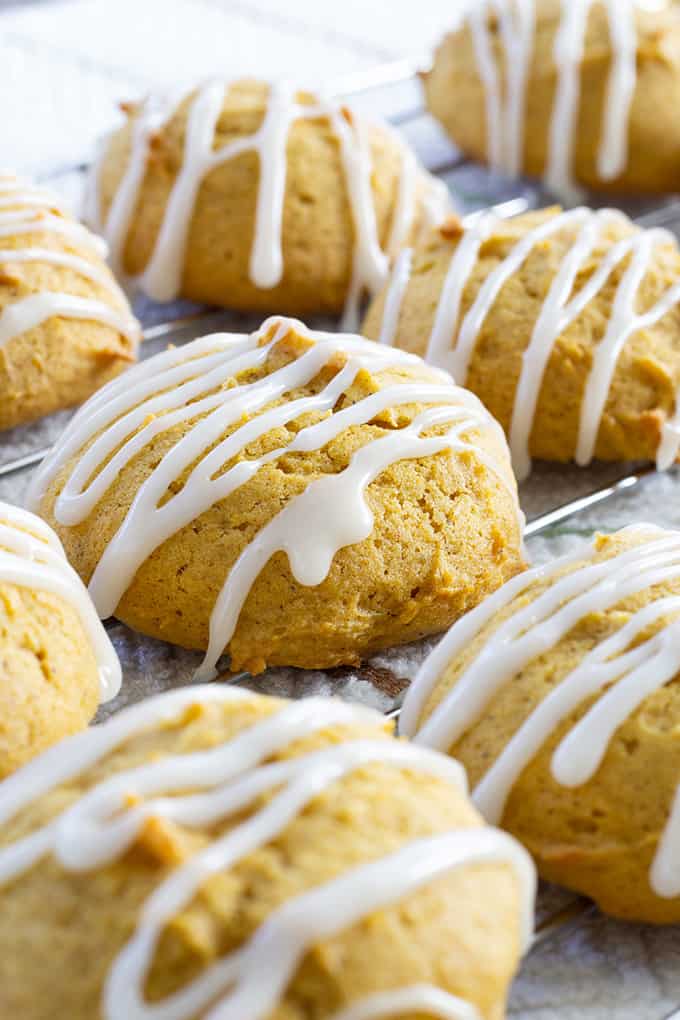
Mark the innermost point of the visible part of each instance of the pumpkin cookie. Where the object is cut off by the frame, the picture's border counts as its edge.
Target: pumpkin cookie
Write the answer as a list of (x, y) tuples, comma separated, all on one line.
[(560, 694), (65, 325), (258, 197), (289, 497), (55, 658), (220, 853), (565, 324), (581, 94)]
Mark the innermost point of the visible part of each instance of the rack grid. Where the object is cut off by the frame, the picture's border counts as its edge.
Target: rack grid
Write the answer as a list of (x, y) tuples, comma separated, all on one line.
[(393, 91)]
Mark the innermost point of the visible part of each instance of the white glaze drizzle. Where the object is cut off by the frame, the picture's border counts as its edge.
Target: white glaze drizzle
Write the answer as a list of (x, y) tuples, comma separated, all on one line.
[(394, 296), (32, 311), (665, 877), (560, 309), (505, 122), (179, 386), (621, 671), (612, 157), (412, 999), (506, 106), (568, 57), (90, 270), (162, 277), (25, 215), (31, 556), (16, 222), (11, 197), (448, 308), (148, 120), (204, 787)]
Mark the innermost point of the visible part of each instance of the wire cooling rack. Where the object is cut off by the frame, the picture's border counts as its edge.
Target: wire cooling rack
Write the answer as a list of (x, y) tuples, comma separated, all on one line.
[(393, 91)]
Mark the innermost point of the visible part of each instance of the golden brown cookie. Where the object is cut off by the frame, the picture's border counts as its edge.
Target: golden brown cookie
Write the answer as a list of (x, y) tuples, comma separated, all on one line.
[(258, 197), (291, 498), (560, 694), (565, 324), (56, 661), (65, 325), (267, 858), (579, 94)]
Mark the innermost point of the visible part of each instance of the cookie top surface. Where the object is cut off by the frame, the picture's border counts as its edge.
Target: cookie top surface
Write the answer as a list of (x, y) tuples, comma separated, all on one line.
[(559, 694), (563, 323), (65, 324), (32, 558), (301, 462), (240, 829), (51, 265), (258, 196), (575, 106), (57, 661)]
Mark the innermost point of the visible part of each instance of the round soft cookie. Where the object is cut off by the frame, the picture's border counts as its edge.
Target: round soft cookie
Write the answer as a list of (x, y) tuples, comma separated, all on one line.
[(65, 325), (560, 694), (288, 497), (56, 660), (565, 324), (581, 94), (259, 197), (219, 853)]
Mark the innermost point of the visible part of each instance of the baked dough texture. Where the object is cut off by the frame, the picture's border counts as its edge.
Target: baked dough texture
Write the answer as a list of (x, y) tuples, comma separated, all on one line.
[(65, 325), (572, 742), (258, 198), (340, 514), (63, 930), (55, 659), (621, 101), (566, 325)]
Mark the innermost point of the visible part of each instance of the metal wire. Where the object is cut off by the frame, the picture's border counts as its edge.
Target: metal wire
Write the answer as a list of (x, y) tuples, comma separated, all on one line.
[(575, 913), (577, 506), (668, 212)]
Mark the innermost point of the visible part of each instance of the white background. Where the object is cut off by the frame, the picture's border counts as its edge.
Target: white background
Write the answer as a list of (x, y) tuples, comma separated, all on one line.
[(65, 65)]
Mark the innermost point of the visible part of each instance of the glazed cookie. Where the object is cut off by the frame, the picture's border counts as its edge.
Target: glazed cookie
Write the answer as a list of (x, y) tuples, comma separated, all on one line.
[(560, 694), (258, 197), (576, 93), (223, 854), (291, 498), (65, 325), (56, 660), (565, 324)]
